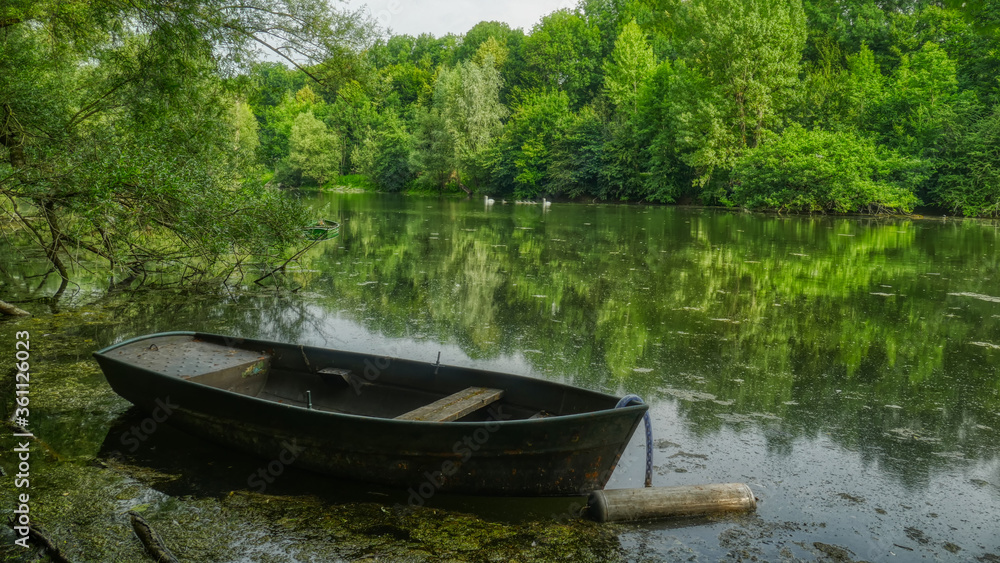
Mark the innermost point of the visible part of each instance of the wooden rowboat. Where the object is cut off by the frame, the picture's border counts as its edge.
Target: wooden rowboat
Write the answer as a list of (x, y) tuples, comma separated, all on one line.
[(322, 229), (426, 426)]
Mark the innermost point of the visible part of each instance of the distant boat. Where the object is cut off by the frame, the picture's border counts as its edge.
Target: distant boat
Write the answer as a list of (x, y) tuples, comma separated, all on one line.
[(427, 426), (321, 229)]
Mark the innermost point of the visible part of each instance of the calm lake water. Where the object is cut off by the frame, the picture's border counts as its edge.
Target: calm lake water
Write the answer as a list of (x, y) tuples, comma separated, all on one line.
[(845, 368)]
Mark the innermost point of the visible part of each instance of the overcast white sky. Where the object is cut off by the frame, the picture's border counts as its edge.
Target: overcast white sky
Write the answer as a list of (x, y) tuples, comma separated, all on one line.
[(439, 17)]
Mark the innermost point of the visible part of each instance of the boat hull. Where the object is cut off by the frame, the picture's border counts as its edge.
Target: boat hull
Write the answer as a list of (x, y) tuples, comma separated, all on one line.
[(502, 453)]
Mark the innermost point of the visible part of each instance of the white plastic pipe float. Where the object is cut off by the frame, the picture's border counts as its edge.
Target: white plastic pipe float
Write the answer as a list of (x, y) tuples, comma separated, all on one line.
[(666, 502)]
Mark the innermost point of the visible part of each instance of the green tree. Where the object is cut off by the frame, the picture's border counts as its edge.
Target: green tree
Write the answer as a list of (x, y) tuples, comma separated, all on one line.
[(456, 131), (923, 104), (576, 161), (118, 132), (433, 156), (563, 53), (864, 91), (269, 82), (410, 84), (469, 100), (630, 65), (247, 139), (657, 20), (975, 51), (969, 173), (314, 150), (738, 65), (817, 170), (356, 109), (431, 52), (519, 161), (399, 49), (277, 127), (849, 24), (383, 155), (499, 32), (626, 71), (507, 46), (666, 178)]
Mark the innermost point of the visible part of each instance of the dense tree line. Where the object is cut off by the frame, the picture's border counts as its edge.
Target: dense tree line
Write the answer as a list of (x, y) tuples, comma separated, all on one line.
[(805, 105)]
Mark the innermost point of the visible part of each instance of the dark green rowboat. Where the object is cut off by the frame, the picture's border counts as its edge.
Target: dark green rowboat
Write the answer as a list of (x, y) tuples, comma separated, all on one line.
[(373, 418), (322, 229)]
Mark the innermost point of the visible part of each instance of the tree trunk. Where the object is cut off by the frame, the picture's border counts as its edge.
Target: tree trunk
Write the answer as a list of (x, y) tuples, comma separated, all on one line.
[(48, 210), (458, 180), (8, 309), (12, 137)]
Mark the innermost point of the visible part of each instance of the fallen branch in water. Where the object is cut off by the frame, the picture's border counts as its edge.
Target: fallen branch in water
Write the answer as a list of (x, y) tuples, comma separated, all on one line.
[(8, 309), (151, 540), (281, 268), (39, 538)]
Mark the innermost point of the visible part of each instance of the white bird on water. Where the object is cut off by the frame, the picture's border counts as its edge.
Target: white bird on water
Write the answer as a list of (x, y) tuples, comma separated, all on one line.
[(546, 203), (488, 200)]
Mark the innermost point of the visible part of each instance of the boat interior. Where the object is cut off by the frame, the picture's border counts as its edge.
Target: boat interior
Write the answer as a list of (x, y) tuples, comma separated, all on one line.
[(338, 382)]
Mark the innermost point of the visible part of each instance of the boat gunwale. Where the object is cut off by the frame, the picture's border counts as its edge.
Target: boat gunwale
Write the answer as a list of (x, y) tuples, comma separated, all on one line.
[(315, 412)]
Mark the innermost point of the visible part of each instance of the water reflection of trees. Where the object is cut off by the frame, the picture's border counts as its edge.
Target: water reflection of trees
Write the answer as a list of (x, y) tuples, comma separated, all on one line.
[(796, 325), (819, 321)]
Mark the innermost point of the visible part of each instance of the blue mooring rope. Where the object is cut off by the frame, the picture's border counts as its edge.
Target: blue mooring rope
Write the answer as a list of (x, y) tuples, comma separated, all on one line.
[(636, 400)]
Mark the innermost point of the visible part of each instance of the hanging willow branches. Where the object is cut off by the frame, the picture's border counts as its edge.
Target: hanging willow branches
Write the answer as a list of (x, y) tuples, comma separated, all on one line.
[(122, 138)]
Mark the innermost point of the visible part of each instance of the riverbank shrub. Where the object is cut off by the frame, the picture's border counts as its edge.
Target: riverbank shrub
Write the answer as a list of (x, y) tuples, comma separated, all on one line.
[(518, 161), (969, 176), (826, 171), (314, 150), (383, 156)]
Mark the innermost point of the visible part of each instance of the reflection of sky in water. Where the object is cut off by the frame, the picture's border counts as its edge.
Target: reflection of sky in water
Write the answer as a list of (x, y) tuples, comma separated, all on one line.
[(845, 368), (344, 334), (816, 490)]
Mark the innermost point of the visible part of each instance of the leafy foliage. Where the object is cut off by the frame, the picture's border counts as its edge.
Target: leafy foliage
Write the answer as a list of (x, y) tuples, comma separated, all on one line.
[(576, 162), (741, 61), (969, 181), (314, 151), (562, 53), (383, 155), (817, 170), (631, 63), (453, 135), (520, 160), (124, 138)]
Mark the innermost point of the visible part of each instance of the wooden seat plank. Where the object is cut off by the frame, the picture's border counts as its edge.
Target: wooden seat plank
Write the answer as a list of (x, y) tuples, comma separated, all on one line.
[(454, 406)]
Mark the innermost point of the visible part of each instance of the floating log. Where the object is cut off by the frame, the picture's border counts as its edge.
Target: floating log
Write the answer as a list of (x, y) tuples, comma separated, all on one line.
[(8, 309), (669, 502)]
